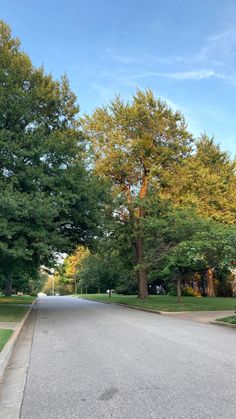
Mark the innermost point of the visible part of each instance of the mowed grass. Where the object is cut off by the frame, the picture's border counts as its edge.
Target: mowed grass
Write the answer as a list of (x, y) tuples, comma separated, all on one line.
[(14, 299), (13, 309), (12, 313), (168, 303), (5, 334)]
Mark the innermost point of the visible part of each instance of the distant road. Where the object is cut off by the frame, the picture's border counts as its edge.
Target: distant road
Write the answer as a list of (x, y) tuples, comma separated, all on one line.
[(93, 360)]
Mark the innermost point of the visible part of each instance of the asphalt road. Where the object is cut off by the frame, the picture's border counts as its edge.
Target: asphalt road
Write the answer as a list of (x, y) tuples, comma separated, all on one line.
[(93, 360)]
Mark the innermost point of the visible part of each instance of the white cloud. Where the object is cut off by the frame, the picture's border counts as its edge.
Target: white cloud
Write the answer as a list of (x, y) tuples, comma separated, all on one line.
[(180, 75), (118, 57), (105, 93), (217, 52), (220, 46), (190, 75)]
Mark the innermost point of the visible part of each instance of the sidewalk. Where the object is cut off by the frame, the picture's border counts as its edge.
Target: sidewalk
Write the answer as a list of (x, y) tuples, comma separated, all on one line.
[(6, 352), (12, 388), (200, 316), (9, 325)]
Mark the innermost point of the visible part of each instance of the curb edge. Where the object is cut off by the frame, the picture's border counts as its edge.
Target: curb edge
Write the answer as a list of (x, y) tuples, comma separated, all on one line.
[(6, 353), (224, 324)]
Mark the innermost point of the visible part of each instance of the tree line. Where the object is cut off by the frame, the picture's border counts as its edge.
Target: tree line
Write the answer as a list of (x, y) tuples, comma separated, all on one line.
[(143, 199)]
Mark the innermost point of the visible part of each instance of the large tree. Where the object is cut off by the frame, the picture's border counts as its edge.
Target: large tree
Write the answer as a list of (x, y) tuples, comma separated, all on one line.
[(48, 203), (206, 181), (133, 144), (181, 242)]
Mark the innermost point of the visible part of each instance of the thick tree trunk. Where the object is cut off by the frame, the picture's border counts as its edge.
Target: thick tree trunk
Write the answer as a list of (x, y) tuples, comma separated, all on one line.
[(210, 284), (8, 287), (179, 293), (136, 215), (99, 291), (142, 273)]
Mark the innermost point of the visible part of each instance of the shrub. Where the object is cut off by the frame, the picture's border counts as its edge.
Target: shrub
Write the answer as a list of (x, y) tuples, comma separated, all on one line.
[(190, 292)]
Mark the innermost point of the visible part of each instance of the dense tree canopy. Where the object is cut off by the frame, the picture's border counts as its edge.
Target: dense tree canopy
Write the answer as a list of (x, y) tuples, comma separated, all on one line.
[(206, 181), (180, 242), (129, 181), (134, 144), (48, 202)]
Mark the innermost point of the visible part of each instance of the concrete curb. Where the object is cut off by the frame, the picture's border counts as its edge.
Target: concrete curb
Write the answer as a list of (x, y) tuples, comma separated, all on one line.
[(224, 324), (149, 310), (6, 353)]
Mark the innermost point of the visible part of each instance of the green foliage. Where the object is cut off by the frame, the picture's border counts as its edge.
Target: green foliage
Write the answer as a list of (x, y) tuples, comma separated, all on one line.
[(129, 139), (180, 239), (48, 203), (223, 282), (149, 202), (101, 272), (133, 144), (206, 181), (229, 319)]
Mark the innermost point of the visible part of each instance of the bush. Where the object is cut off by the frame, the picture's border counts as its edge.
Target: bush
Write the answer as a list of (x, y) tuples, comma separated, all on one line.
[(190, 292), (128, 287)]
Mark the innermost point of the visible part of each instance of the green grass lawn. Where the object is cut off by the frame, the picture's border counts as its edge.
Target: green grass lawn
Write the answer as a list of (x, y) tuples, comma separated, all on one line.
[(13, 309), (168, 303), (12, 313), (14, 299), (5, 334), (229, 319)]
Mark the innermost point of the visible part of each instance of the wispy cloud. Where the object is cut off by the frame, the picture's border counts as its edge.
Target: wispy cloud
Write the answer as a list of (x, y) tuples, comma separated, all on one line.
[(219, 47), (190, 75), (183, 75), (105, 93), (117, 57), (214, 60)]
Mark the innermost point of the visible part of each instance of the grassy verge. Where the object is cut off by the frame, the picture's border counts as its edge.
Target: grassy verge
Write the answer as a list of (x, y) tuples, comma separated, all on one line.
[(5, 334), (25, 299), (168, 303), (229, 319), (13, 309), (12, 313)]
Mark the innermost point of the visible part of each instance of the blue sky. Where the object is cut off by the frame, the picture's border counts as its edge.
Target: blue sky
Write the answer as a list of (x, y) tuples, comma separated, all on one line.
[(184, 50)]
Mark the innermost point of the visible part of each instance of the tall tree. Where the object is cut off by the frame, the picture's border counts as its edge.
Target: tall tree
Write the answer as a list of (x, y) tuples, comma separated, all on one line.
[(133, 144), (206, 181), (72, 263), (48, 202), (181, 242)]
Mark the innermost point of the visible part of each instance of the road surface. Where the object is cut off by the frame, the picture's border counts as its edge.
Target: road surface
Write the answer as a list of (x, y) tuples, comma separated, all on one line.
[(93, 360)]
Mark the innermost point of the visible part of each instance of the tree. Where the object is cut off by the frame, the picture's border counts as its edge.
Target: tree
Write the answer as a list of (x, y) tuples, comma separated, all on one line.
[(180, 242), (206, 181), (102, 271), (72, 264), (48, 202), (133, 144), (213, 247)]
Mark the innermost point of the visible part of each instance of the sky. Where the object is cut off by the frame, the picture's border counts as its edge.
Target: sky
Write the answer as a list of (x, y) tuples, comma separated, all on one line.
[(183, 50)]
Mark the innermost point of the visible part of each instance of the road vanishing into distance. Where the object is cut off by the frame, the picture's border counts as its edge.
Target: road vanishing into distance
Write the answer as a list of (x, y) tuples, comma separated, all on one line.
[(94, 360)]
